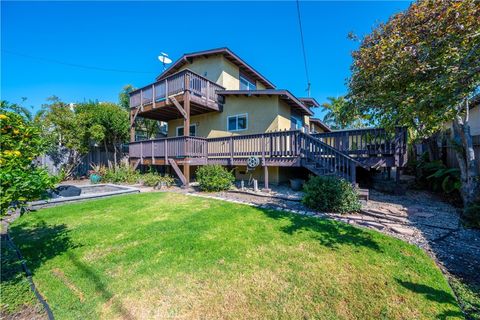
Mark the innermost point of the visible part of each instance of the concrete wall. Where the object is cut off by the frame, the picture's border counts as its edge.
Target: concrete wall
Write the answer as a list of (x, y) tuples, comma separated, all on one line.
[(263, 114)]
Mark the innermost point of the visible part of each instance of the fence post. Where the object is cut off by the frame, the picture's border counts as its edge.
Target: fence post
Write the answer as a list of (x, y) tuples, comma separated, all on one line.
[(353, 173)]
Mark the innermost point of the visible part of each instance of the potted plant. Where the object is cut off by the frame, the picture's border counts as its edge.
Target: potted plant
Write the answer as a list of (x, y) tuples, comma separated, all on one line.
[(95, 174)]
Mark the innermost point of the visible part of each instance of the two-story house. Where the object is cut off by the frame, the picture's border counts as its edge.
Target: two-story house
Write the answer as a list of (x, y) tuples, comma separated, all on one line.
[(219, 109)]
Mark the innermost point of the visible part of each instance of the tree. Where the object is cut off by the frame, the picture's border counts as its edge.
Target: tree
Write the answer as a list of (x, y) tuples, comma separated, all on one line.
[(337, 116), (108, 124), (419, 70), (67, 133), (20, 180)]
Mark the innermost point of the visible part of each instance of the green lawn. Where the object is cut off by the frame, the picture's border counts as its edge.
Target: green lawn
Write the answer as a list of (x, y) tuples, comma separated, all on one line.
[(165, 255)]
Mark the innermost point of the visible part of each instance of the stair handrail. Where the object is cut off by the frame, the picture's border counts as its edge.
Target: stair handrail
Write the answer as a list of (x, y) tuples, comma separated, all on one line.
[(339, 157)]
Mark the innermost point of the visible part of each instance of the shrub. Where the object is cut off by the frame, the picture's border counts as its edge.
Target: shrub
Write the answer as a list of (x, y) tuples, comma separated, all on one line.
[(214, 178), (121, 174), (153, 179), (20, 180), (330, 194)]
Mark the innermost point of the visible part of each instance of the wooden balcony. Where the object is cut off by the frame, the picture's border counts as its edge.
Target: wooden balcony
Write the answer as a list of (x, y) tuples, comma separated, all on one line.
[(157, 100)]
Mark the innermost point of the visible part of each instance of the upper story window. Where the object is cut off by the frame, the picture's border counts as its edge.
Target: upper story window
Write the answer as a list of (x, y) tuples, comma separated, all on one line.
[(193, 131), (237, 122), (246, 83)]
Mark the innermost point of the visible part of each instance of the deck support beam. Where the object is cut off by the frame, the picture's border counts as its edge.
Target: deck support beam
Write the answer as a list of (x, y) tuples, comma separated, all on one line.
[(266, 187), (186, 125)]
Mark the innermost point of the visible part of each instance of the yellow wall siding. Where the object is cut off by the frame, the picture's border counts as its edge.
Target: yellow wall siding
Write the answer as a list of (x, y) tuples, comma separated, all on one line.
[(474, 121), (230, 75), (258, 174), (216, 69), (263, 114), (210, 68), (316, 128)]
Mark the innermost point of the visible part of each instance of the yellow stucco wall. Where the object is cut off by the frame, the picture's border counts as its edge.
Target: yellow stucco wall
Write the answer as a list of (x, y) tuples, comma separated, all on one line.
[(263, 114), (474, 121), (219, 70), (316, 128)]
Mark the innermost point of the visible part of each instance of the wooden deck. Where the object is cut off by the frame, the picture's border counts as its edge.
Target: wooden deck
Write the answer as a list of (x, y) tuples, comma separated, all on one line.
[(163, 99), (337, 153)]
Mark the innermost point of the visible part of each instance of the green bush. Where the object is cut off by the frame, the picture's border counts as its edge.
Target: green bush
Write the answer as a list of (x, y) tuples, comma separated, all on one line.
[(330, 194), (120, 174), (20, 180), (214, 178), (472, 215), (153, 179)]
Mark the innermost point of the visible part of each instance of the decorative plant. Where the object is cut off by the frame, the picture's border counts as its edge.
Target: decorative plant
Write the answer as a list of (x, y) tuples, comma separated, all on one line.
[(214, 178), (330, 194), (20, 179)]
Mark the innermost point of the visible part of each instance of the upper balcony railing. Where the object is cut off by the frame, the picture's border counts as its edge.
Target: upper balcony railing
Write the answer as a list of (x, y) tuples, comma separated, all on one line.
[(174, 85)]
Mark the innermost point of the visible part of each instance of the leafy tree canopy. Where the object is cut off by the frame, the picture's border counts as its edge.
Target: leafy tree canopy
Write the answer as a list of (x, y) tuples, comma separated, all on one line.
[(416, 69)]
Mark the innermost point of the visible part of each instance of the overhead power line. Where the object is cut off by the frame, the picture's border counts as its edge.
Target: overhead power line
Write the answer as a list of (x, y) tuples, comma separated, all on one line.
[(303, 47), (75, 64)]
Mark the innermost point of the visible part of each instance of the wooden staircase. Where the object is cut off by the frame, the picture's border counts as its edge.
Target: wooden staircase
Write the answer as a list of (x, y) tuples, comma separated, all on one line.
[(324, 160)]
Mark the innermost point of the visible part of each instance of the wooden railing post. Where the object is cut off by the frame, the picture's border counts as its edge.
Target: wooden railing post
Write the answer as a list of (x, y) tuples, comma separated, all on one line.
[(165, 146), (166, 89), (153, 96), (231, 150), (153, 152)]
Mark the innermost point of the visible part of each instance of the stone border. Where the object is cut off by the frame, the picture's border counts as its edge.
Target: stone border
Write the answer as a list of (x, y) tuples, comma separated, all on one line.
[(55, 201)]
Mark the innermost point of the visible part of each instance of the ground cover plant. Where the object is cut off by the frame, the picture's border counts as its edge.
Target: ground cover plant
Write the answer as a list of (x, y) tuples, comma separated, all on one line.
[(167, 255)]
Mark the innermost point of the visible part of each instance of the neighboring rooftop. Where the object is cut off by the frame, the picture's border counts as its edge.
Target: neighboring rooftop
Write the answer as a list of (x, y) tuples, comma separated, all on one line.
[(244, 67), (285, 95), (320, 123)]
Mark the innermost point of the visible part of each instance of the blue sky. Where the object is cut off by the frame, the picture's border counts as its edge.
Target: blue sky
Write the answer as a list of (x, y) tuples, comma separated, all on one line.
[(128, 36)]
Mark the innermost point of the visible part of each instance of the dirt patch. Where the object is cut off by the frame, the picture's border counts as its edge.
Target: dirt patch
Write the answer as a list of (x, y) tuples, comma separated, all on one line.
[(62, 277)]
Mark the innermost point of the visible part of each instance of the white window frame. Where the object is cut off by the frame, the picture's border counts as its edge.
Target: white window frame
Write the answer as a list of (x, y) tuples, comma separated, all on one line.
[(250, 84), (237, 116), (192, 125)]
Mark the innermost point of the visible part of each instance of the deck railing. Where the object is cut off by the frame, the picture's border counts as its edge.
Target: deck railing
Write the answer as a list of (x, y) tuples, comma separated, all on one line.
[(334, 151), (175, 84), (369, 141)]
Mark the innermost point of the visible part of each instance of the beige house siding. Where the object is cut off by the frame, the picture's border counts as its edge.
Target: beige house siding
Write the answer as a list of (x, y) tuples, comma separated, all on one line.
[(219, 70), (474, 121), (263, 114)]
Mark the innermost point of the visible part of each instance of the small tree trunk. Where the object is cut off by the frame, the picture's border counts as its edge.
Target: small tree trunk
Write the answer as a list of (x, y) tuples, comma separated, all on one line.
[(469, 169)]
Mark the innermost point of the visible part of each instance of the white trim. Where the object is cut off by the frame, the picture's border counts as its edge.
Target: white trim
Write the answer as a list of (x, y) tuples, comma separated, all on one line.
[(236, 116), (250, 85), (193, 124)]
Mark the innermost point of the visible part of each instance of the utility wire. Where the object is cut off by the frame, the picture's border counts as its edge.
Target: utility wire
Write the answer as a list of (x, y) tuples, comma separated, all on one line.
[(303, 47), (74, 64)]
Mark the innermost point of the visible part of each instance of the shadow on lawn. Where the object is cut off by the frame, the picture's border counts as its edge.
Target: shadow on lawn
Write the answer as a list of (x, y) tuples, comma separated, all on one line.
[(433, 294), (43, 242), (329, 233)]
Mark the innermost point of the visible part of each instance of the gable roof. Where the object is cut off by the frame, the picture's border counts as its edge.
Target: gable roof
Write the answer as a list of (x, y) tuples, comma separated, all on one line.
[(320, 123), (227, 53), (285, 95)]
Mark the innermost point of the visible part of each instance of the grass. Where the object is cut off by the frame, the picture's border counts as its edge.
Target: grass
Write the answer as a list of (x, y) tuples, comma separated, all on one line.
[(469, 295), (17, 300), (164, 255)]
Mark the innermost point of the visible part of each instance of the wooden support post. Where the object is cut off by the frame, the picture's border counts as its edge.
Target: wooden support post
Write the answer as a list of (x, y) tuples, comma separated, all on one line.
[(186, 127), (266, 188)]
